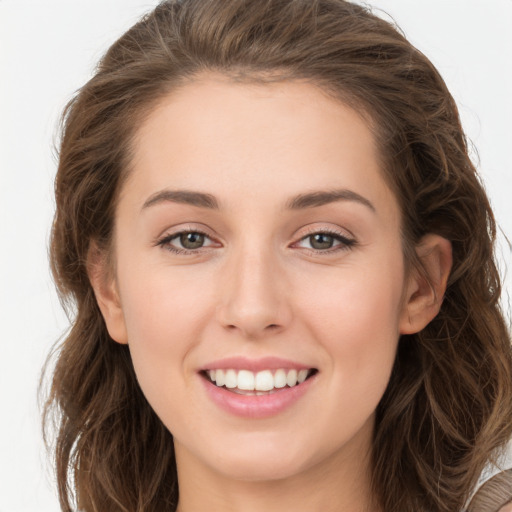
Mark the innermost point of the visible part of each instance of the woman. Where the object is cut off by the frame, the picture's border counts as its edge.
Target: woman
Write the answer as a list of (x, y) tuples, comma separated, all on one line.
[(281, 259)]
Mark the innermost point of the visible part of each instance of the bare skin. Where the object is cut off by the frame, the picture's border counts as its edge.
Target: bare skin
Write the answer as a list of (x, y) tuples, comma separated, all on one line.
[(320, 284)]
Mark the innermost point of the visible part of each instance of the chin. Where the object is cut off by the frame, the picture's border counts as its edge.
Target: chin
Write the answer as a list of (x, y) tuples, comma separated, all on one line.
[(264, 458), (260, 469)]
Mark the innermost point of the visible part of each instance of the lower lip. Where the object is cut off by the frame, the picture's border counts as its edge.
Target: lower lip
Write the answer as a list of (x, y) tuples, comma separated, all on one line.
[(256, 406)]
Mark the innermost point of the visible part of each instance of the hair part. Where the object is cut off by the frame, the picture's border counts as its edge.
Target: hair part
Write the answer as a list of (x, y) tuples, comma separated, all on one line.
[(448, 404)]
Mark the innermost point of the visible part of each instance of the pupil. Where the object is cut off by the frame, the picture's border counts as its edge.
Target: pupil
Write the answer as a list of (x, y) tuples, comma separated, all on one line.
[(191, 240), (321, 241)]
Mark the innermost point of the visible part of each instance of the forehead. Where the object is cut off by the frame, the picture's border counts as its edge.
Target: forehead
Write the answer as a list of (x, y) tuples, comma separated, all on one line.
[(213, 107), (285, 137)]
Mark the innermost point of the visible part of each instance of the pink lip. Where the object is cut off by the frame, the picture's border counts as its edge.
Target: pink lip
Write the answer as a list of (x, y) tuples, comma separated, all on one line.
[(256, 406), (254, 365)]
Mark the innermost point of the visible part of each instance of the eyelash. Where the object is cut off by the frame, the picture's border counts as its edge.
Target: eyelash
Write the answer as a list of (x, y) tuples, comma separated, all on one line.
[(345, 242), (166, 241)]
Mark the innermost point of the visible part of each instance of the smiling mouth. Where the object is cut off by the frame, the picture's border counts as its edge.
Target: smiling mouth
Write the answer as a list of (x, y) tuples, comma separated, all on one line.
[(265, 382)]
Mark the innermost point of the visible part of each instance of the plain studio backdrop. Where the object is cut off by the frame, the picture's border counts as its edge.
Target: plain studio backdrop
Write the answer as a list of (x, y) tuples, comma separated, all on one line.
[(48, 49)]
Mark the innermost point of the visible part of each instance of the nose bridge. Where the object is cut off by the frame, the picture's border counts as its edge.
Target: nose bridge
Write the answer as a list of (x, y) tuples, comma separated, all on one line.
[(253, 298)]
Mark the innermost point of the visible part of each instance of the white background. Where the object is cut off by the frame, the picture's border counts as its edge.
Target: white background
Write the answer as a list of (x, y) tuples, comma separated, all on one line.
[(47, 50)]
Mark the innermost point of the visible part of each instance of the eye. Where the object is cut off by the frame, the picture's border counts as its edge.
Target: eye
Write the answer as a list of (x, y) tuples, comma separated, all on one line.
[(326, 241), (191, 240), (321, 241), (185, 242)]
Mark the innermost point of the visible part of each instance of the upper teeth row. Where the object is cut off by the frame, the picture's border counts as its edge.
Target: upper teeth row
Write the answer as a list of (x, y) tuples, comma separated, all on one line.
[(260, 381)]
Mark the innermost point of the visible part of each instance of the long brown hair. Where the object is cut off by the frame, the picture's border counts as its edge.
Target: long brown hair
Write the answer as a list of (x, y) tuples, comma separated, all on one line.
[(448, 406), (494, 494)]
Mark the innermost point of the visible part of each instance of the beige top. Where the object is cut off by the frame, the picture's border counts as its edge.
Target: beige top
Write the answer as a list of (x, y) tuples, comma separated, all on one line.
[(495, 495)]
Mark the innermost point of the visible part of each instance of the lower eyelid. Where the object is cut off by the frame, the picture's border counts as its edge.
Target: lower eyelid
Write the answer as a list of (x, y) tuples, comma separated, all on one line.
[(341, 246), (344, 242), (175, 236), (340, 237)]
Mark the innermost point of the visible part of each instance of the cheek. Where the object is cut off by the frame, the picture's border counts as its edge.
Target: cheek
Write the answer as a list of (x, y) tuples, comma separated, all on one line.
[(165, 320), (164, 317), (356, 307), (356, 319), (161, 306)]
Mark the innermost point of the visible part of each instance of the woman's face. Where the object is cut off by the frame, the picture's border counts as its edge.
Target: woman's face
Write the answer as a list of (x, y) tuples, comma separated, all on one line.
[(256, 239)]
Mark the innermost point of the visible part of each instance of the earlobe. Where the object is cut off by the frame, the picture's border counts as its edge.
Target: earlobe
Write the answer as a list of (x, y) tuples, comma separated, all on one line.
[(106, 293), (426, 287)]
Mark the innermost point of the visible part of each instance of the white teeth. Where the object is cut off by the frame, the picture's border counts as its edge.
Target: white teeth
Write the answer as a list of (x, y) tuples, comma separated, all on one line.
[(261, 381), (280, 379), (220, 377), (245, 380), (231, 380), (264, 381), (291, 378), (301, 376)]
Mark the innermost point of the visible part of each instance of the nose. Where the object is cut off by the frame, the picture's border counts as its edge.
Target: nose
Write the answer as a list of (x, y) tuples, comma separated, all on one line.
[(253, 295)]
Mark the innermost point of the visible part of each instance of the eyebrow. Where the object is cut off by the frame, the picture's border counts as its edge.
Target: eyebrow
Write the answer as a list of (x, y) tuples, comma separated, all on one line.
[(299, 202), (190, 197), (323, 197)]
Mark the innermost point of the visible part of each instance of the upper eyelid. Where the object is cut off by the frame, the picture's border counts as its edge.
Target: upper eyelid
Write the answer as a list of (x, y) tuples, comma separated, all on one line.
[(343, 235), (169, 233), (166, 238), (309, 232), (336, 233), (344, 241)]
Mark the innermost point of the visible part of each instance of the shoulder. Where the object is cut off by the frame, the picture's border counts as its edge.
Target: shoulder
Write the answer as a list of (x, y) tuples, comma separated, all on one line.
[(495, 495)]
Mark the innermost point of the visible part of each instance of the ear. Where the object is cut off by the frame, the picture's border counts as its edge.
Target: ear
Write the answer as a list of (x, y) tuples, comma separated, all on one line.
[(105, 290), (425, 290)]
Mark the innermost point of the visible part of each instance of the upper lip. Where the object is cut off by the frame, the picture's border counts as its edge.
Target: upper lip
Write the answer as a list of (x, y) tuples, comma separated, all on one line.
[(254, 365)]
